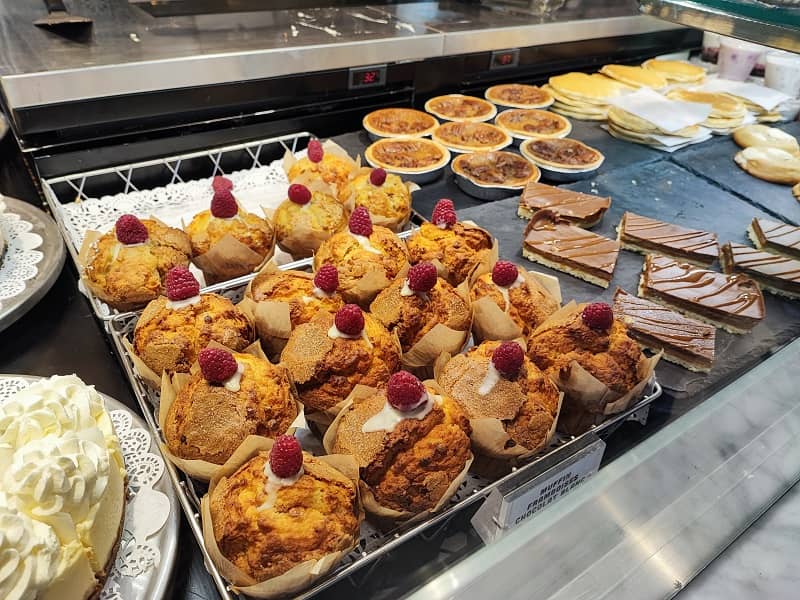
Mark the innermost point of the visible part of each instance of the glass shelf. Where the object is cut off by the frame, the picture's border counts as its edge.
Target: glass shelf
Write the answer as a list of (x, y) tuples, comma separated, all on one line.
[(760, 22)]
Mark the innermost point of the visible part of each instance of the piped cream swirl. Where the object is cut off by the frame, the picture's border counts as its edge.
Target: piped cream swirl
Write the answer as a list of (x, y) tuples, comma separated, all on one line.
[(29, 556)]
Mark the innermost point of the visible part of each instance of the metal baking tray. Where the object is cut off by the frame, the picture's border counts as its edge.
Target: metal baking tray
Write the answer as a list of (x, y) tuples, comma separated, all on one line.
[(374, 543)]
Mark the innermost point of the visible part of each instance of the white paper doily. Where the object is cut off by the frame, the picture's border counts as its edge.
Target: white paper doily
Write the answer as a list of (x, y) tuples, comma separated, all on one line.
[(18, 264), (147, 510)]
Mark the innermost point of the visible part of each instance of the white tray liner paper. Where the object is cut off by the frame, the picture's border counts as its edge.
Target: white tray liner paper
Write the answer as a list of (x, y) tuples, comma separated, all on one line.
[(765, 97), (668, 115)]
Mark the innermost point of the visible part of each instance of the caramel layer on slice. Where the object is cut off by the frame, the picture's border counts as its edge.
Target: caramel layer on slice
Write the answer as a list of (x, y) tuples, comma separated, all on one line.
[(556, 243), (581, 209), (687, 342), (775, 236), (776, 273), (644, 234), (733, 302)]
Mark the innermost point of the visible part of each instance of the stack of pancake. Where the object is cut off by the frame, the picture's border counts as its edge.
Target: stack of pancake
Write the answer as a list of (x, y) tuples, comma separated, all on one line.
[(583, 96), (676, 71), (629, 127), (727, 112), (635, 77)]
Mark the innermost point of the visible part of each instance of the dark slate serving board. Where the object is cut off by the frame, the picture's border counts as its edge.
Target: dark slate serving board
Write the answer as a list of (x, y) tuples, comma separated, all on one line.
[(665, 191), (715, 162)]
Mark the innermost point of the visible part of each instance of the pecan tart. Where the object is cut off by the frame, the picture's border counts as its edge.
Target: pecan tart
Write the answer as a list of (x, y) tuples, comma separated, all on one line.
[(519, 95), (532, 123), (562, 153), (407, 155), (399, 122), (495, 169), (468, 137), (457, 107)]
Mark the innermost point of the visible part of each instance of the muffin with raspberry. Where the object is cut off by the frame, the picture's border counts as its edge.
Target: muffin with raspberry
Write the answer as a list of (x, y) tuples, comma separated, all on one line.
[(428, 315), (411, 443), (207, 414), (331, 354), (369, 257), (280, 518), (512, 405), (326, 162), (509, 302), (310, 215), (457, 249), (125, 267), (280, 300), (385, 196), (228, 241), (174, 328), (583, 348)]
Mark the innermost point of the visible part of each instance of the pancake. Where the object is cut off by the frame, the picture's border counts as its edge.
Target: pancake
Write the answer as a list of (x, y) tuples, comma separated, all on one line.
[(676, 70), (635, 76), (591, 89)]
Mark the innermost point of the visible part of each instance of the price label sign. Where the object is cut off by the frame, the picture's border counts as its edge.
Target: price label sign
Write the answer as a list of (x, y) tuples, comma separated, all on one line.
[(520, 498)]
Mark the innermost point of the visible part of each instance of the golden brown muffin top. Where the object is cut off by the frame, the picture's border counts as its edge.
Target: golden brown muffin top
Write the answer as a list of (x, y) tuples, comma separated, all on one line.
[(169, 339), (296, 288), (528, 304), (354, 261), (315, 516), (334, 169), (325, 370), (610, 356), (411, 317), (458, 248), (527, 405), (323, 215), (129, 276), (392, 200), (208, 421), (253, 231), (410, 467)]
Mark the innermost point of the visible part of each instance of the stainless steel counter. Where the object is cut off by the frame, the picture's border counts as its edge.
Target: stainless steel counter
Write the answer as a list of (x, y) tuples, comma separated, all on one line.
[(128, 51)]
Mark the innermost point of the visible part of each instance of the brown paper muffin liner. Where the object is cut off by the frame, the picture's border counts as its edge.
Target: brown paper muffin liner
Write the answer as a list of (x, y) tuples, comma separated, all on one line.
[(170, 387), (587, 400), (229, 258), (371, 284), (490, 322), (384, 514), (299, 576)]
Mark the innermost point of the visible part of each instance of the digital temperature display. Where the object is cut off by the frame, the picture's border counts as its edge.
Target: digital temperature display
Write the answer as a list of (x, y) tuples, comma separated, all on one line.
[(503, 59), (366, 77)]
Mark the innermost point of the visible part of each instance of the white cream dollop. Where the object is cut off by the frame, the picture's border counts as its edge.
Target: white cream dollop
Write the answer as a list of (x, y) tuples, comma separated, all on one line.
[(504, 290), (179, 304), (388, 417), (491, 379), (365, 243), (29, 556), (274, 483), (233, 383)]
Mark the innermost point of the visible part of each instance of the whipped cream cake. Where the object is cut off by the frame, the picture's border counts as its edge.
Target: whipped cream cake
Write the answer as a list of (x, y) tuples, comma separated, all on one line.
[(643, 235), (63, 492)]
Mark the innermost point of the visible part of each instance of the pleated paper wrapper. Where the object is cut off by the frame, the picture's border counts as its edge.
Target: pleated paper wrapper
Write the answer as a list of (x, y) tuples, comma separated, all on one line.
[(300, 576)]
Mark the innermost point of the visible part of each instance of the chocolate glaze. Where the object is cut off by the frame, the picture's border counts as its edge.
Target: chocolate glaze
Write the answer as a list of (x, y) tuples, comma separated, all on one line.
[(556, 239), (774, 270), (573, 206), (681, 242), (658, 327), (780, 237), (732, 299)]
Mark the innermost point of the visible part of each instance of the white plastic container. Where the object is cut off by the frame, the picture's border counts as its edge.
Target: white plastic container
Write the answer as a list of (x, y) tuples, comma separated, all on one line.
[(737, 58), (782, 73)]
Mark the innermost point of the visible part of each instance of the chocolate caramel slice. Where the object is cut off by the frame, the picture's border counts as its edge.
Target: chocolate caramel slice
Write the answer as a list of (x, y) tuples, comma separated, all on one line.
[(773, 272), (643, 235), (732, 302), (554, 242), (775, 237), (584, 210), (687, 342)]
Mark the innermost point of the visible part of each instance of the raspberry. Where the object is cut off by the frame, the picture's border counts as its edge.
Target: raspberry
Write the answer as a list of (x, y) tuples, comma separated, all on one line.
[(223, 205), (217, 365), (405, 392), (598, 315), (360, 223), (444, 213), (507, 358), (130, 230), (180, 284), (315, 151), (221, 184), (349, 320), (422, 277), (377, 177), (504, 273), (286, 456), (327, 279), (299, 194)]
